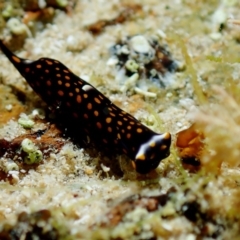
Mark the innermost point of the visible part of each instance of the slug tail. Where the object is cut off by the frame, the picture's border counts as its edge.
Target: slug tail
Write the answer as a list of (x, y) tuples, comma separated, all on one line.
[(19, 63)]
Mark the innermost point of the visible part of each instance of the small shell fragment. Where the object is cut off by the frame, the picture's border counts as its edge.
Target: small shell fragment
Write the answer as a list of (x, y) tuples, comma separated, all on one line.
[(28, 146), (33, 157), (8, 165), (131, 65), (25, 122), (16, 27)]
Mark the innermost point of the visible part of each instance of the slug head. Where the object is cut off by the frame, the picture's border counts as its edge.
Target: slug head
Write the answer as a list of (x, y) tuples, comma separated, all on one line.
[(152, 152)]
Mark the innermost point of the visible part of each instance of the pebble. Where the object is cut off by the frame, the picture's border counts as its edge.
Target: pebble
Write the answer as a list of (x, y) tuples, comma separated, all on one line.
[(71, 41), (141, 50), (124, 49), (42, 4), (140, 44), (179, 124), (169, 94), (145, 93), (161, 34), (215, 36), (113, 61), (38, 113), (9, 107)]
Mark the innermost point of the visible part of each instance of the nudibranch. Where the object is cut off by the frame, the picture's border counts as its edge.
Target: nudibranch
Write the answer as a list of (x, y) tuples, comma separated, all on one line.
[(84, 110)]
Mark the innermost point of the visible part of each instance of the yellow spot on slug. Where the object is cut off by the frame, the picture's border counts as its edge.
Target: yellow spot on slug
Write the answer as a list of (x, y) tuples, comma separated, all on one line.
[(67, 85), (152, 144), (96, 113), (67, 77), (99, 125), (77, 90), (152, 156), (128, 135), (46, 71), (125, 119), (49, 62), (119, 123), (139, 130), (85, 115), (58, 75), (85, 95), (129, 127), (57, 69), (59, 82), (101, 97), (60, 93), (109, 129), (49, 83), (66, 71), (167, 135), (70, 94), (78, 99), (27, 69), (75, 115), (97, 100), (89, 106), (141, 157), (39, 66), (16, 59), (108, 120), (163, 147), (119, 136), (112, 114), (132, 123)]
